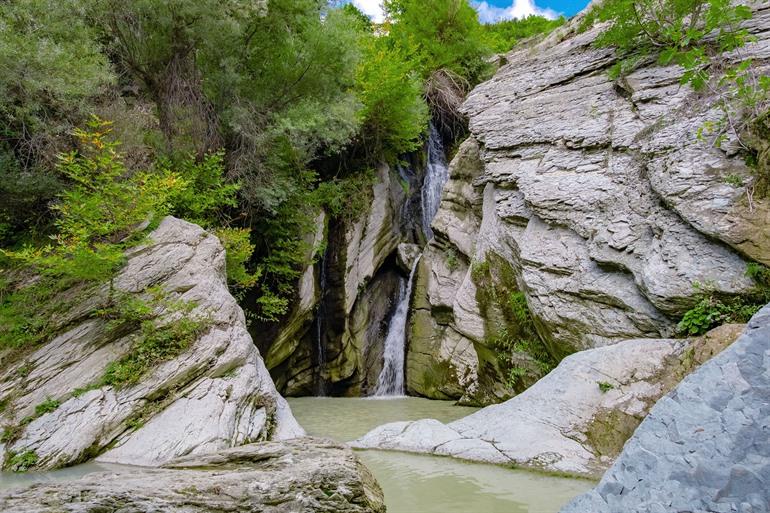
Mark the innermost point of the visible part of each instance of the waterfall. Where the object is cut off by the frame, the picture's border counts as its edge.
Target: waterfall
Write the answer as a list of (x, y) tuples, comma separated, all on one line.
[(319, 383), (391, 379), (436, 176)]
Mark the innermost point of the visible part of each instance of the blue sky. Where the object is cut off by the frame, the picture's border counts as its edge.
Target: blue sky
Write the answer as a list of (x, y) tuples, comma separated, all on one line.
[(494, 10), (566, 7)]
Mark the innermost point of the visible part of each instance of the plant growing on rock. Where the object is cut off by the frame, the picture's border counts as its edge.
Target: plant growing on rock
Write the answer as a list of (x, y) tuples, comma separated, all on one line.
[(712, 310), (20, 462), (705, 38)]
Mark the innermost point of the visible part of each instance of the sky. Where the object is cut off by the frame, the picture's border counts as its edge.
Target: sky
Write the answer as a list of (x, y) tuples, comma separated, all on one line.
[(495, 10)]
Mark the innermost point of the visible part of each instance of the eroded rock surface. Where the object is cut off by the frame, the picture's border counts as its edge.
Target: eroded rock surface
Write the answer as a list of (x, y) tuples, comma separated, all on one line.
[(575, 419), (304, 475), (703, 447), (600, 196), (215, 394)]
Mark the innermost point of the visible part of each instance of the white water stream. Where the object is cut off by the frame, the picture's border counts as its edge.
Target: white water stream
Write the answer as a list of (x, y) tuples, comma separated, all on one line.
[(436, 176), (391, 379)]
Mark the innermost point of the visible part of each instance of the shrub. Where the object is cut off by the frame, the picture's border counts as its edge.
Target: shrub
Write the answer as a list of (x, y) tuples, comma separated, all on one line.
[(238, 251), (713, 310), (20, 462)]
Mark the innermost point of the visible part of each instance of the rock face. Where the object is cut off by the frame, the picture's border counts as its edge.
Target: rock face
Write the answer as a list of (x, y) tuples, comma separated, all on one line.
[(575, 419), (303, 475), (599, 195), (215, 394), (703, 447), (353, 293)]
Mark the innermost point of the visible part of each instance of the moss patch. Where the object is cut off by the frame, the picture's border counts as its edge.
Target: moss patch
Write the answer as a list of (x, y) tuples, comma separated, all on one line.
[(509, 326), (608, 431)]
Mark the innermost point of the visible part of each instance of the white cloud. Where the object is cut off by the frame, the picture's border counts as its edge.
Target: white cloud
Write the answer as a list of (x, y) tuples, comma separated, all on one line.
[(518, 9), (372, 8), (487, 13)]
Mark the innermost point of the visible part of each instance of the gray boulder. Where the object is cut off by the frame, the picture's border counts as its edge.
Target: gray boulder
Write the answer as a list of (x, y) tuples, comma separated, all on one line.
[(214, 395), (575, 420), (703, 447), (304, 475)]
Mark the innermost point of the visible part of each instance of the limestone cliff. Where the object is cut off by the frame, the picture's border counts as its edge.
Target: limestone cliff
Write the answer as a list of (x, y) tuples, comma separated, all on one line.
[(216, 394), (601, 199)]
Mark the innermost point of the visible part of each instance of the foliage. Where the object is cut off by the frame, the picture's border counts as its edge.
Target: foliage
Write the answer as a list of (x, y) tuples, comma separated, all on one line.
[(46, 406), (443, 34), (98, 215), (102, 213), (712, 310), (452, 260), (348, 197), (605, 386), (52, 68), (504, 35), (20, 462), (394, 114), (238, 251), (205, 191), (511, 328)]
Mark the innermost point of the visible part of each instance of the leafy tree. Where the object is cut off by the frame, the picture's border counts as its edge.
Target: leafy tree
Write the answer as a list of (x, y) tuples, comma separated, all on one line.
[(51, 69), (394, 113), (504, 35), (443, 34)]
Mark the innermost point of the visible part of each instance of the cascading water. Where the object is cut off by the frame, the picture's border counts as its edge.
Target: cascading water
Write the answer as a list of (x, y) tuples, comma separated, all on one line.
[(391, 379), (436, 176), (319, 384)]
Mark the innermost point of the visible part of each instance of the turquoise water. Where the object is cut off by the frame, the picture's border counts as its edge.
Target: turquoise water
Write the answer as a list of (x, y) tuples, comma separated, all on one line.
[(415, 483)]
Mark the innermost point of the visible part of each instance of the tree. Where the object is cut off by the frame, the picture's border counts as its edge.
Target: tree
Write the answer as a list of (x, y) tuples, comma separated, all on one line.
[(51, 72), (504, 35), (442, 34)]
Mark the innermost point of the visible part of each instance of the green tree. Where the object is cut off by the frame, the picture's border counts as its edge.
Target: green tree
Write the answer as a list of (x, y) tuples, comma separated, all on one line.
[(51, 70), (442, 34), (504, 35), (394, 113)]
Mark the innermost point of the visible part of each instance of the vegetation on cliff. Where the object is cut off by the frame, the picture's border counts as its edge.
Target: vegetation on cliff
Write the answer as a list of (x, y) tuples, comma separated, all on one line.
[(245, 117)]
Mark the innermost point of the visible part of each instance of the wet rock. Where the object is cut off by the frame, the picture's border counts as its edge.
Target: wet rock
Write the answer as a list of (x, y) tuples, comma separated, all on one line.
[(575, 419), (215, 394), (303, 475), (406, 254), (704, 446)]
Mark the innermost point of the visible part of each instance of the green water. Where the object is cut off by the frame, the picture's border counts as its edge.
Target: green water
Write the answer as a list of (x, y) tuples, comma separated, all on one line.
[(428, 484)]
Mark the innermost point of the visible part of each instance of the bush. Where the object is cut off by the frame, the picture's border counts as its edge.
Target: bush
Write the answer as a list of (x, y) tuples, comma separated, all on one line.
[(238, 252), (712, 310)]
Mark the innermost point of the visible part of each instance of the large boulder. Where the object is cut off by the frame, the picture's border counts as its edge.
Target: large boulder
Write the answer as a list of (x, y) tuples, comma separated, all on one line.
[(703, 447), (575, 420), (215, 394), (304, 475)]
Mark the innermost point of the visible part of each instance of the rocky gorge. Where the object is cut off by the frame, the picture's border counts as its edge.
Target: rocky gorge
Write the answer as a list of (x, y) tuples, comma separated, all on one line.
[(537, 269)]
